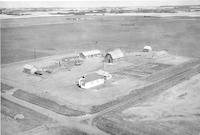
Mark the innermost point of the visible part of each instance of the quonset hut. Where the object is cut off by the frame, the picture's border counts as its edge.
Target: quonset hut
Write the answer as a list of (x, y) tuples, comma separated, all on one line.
[(114, 55)]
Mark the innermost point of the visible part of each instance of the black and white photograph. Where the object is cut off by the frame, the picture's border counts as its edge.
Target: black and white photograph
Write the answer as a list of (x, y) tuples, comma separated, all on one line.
[(100, 67)]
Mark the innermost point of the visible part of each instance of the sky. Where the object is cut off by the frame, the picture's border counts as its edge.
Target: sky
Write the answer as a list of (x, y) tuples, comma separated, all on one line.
[(94, 3)]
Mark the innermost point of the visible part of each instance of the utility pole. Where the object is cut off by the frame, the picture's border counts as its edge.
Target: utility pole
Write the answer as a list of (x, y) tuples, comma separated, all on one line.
[(103, 65), (34, 54)]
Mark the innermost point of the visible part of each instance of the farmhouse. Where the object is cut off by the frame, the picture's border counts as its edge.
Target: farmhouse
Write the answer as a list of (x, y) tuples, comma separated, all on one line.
[(114, 55), (88, 54), (91, 80), (30, 69), (94, 79)]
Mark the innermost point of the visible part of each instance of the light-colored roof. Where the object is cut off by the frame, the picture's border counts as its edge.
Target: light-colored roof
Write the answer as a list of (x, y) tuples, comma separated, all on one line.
[(117, 53), (92, 76), (27, 66), (92, 52), (148, 48)]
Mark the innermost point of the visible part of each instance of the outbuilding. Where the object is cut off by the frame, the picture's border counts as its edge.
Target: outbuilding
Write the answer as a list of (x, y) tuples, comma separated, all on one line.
[(114, 55), (89, 54), (147, 49), (30, 69)]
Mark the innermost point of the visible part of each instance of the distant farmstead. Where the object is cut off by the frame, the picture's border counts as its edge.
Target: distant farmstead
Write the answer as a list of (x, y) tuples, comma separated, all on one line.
[(114, 55), (88, 54)]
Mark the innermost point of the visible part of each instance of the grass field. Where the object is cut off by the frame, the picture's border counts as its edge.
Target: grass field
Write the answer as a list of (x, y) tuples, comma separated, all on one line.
[(5, 87), (33, 122), (178, 35), (46, 103), (64, 131), (175, 111), (9, 125)]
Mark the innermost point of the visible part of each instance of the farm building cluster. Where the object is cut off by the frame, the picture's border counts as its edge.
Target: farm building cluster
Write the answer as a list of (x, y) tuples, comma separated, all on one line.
[(88, 80), (91, 77)]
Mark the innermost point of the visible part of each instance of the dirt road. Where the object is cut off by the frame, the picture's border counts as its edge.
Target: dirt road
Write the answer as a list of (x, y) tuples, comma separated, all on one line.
[(66, 121), (161, 85)]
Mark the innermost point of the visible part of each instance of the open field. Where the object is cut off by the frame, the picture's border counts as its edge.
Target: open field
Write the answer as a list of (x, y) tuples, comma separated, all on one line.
[(175, 111), (5, 87), (61, 130), (178, 36), (54, 129), (9, 125), (46, 103), (32, 124)]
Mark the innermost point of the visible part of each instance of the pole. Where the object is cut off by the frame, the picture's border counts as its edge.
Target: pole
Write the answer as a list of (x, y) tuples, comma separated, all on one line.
[(103, 66), (34, 54)]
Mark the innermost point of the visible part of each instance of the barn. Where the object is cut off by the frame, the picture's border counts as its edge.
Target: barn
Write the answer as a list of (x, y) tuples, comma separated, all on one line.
[(114, 55), (89, 54)]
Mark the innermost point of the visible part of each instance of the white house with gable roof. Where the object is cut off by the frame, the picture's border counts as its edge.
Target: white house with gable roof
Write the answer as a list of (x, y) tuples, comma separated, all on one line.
[(94, 79)]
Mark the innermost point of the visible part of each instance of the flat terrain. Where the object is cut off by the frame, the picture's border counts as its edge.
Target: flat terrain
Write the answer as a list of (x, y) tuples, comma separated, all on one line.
[(31, 119), (32, 124), (175, 111), (128, 74), (151, 79), (52, 35), (59, 130)]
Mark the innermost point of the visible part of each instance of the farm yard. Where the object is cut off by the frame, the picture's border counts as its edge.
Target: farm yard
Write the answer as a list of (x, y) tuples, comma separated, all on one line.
[(148, 92), (127, 76)]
